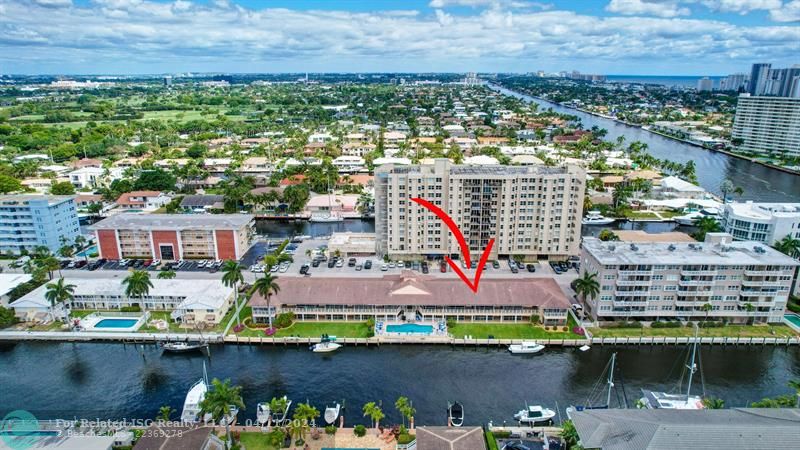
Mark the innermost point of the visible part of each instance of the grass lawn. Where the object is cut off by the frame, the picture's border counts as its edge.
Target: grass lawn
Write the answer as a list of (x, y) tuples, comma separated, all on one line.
[(160, 315), (81, 313), (508, 331), (315, 329), (254, 440), (727, 331), (640, 215)]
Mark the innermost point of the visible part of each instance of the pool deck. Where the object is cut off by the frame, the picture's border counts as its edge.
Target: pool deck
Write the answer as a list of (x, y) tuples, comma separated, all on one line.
[(792, 325)]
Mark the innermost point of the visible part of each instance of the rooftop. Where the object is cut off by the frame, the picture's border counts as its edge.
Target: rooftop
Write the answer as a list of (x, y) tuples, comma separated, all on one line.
[(643, 236), (764, 211), (174, 222), (8, 281), (449, 438), (409, 288), (667, 429), (678, 253), (25, 198)]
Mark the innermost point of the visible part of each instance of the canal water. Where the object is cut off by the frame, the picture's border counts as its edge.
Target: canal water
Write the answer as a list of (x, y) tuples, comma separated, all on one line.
[(116, 381), (760, 183)]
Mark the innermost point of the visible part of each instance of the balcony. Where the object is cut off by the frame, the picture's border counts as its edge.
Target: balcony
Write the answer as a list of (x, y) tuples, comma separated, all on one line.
[(757, 293), (763, 283), (634, 282), (625, 304), (690, 273), (633, 273), (631, 293), (695, 293), (695, 282)]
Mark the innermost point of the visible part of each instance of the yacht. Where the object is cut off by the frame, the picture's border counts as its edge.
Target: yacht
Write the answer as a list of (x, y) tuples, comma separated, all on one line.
[(455, 414), (184, 347), (533, 414), (332, 413), (692, 216), (595, 218), (667, 400), (590, 402), (262, 413), (191, 405), (526, 347)]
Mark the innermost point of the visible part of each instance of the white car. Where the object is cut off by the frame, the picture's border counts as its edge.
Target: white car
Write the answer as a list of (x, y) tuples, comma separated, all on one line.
[(339, 263), (273, 268), (384, 267), (283, 269), (391, 265), (155, 262)]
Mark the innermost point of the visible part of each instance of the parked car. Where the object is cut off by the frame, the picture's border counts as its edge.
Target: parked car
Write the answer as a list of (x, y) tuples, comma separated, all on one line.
[(339, 263), (531, 268), (443, 266), (80, 263), (514, 269), (359, 267), (315, 263), (425, 268), (368, 264), (331, 263), (304, 268), (496, 264), (351, 262), (391, 265), (384, 267)]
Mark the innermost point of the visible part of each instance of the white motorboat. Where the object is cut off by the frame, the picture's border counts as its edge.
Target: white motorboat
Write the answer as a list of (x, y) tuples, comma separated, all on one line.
[(526, 347), (666, 400), (326, 218), (455, 414), (191, 405), (533, 414), (325, 347), (691, 217), (595, 218), (332, 413), (262, 413)]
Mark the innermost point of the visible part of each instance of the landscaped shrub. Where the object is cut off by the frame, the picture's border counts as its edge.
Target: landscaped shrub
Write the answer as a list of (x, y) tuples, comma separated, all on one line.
[(134, 308), (579, 331), (674, 324), (284, 320), (330, 429), (630, 324), (270, 331), (405, 438), (565, 329), (535, 319), (238, 328), (546, 328), (491, 442), (502, 434), (711, 324), (275, 438), (360, 430)]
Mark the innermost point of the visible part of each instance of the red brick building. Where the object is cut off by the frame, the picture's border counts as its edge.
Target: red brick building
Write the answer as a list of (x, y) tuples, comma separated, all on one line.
[(174, 236)]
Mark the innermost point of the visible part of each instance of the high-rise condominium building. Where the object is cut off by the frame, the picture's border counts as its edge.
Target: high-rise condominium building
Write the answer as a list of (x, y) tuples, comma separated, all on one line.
[(762, 222), (740, 281), (765, 80), (734, 82), (28, 221), (532, 211), (705, 84), (767, 125), (758, 78)]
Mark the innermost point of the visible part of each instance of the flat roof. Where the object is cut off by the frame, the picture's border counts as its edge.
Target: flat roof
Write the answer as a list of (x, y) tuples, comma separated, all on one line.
[(410, 288), (680, 253), (193, 294), (21, 198), (764, 211), (643, 236), (8, 281), (174, 221)]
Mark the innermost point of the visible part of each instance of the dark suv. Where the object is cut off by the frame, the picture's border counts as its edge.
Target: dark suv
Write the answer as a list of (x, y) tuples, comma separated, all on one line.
[(351, 262)]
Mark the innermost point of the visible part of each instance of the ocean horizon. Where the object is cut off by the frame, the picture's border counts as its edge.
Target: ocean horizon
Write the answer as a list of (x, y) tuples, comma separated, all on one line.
[(665, 80)]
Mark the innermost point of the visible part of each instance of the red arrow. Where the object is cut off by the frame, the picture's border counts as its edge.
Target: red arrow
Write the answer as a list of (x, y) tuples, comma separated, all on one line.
[(462, 243)]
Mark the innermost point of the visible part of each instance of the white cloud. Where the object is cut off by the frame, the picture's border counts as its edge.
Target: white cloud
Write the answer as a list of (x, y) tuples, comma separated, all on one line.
[(141, 35), (741, 6), (790, 12), (658, 8), (53, 3)]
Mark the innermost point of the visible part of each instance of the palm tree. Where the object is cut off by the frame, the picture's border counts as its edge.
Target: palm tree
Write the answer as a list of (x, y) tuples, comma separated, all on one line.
[(788, 246), (58, 292), (220, 400), (373, 411), (707, 308), (403, 406), (265, 287), (164, 412), (587, 285), (297, 430), (270, 260), (750, 308), (66, 251), (569, 434), (137, 284), (166, 275), (232, 276), (304, 414), (704, 225), (713, 403)]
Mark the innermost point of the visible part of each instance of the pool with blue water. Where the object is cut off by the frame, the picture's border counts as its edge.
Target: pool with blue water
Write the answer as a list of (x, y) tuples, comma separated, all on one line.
[(410, 328)]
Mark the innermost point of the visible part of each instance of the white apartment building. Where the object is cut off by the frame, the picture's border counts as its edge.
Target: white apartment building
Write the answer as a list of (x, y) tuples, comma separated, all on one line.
[(91, 177), (357, 149), (533, 211), (762, 222), (768, 125), (348, 164), (652, 280)]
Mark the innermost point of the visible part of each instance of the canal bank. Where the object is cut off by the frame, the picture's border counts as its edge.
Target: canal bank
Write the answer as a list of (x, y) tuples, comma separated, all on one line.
[(88, 380), (759, 182)]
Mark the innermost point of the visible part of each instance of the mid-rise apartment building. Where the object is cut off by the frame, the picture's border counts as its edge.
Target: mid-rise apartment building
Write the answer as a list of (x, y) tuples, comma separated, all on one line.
[(762, 222), (28, 221), (767, 125), (741, 281), (532, 211), (174, 236)]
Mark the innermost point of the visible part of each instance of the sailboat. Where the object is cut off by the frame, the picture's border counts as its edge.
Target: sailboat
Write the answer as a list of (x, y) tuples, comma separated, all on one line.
[(331, 216), (609, 384), (666, 400), (191, 405)]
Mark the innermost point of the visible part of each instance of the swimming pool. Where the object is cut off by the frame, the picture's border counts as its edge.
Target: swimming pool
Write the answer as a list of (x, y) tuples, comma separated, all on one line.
[(793, 320), (410, 328), (88, 252), (116, 323), (29, 433)]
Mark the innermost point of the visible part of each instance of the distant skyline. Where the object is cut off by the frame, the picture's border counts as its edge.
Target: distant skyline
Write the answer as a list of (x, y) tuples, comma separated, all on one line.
[(629, 37)]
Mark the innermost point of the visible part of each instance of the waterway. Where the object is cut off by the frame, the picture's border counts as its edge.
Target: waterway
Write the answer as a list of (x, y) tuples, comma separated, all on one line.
[(760, 183), (115, 381)]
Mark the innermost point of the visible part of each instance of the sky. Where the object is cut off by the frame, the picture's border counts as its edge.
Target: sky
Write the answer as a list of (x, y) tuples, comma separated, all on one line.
[(644, 37)]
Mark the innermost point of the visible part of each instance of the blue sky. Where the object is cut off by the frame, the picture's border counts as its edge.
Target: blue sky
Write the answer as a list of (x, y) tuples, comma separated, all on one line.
[(649, 37)]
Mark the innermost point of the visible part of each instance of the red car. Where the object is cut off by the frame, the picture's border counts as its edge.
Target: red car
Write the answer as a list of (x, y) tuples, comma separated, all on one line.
[(443, 267)]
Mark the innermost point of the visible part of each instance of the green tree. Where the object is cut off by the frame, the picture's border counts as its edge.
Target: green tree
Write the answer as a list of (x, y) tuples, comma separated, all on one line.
[(705, 225), (587, 286), (750, 309), (570, 435), (232, 277), (58, 292), (607, 235), (374, 412), (155, 180), (707, 309), (713, 403), (62, 188), (66, 251), (164, 412), (220, 400), (788, 246), (9, 184), (166, 275), (137, 284), (266, 287), (406, 410)]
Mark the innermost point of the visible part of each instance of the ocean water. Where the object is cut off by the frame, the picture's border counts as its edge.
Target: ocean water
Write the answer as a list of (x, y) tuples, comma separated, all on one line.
[(676, 81)]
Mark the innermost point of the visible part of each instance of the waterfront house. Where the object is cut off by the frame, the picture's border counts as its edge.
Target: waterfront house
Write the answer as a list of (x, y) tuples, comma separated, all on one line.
[(8, 282), (411, 296), (142, 200), (450, 438)]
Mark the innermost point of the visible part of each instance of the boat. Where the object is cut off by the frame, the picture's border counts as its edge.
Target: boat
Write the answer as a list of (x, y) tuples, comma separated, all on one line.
[(590, 403), (262, 413), (325, 347), (191, 405), (455, 414), (184, 347), (526, 347), (533, 414), (667, 400), (329, 218), (595, 218), (332, 413), (693, 216)]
